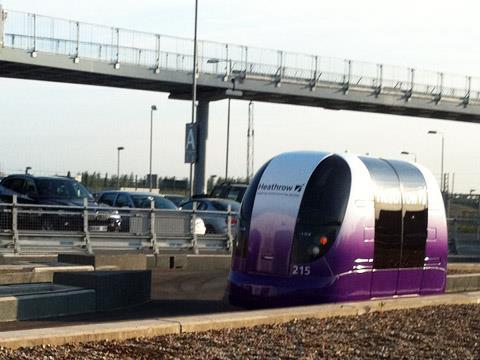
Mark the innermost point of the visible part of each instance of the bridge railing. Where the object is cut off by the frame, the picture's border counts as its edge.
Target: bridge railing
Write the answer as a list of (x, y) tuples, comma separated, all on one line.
[(36, 33), (27, 228)]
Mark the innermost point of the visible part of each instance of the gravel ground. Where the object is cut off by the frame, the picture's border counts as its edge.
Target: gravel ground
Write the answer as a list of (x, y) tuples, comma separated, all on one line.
[(443, 332)]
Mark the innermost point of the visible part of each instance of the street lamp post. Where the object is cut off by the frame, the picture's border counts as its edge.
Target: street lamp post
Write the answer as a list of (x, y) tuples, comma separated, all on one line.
[(152, 109), (120, 148), (434, 132), (410, 153), (227, 150), (27, 169), (194, 86)]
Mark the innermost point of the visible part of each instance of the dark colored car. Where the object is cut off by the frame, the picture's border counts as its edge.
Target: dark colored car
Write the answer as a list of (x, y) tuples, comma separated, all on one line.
[(229, 191), (176, 199), (136, 200), (215, 223), (55, 190)]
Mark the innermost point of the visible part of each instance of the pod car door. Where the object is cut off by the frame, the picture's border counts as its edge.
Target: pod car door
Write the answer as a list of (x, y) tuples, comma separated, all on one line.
[(388, 227), (401, 218)]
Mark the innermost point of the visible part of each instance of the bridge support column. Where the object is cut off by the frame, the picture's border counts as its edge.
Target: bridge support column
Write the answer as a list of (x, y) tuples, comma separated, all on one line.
[(199, 184)]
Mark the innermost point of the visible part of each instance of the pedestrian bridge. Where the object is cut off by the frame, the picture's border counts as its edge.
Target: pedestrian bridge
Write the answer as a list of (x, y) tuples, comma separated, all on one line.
[(38, 47), (52, 49)]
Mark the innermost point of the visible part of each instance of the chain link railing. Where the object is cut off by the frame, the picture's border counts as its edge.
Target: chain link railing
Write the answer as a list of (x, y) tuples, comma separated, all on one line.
[(36, 33), (27, 228)]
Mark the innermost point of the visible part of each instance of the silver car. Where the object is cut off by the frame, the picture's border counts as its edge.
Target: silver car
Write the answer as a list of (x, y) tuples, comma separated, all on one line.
[(215, 222)]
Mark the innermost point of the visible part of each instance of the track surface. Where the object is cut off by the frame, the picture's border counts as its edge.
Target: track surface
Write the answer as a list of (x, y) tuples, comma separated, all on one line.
[(174, 293)]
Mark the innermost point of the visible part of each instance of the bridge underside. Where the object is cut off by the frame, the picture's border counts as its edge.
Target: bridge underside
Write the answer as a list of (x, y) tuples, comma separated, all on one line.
[(19, 64)]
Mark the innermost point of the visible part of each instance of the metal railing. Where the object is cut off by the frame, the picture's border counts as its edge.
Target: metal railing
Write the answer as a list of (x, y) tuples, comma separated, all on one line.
[(36, 33), (464, 236), (27, 228)]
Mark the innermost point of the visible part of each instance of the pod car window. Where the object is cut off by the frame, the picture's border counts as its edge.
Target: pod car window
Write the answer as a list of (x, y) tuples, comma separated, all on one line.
[(322, 210), (241, 243), (401, 214)]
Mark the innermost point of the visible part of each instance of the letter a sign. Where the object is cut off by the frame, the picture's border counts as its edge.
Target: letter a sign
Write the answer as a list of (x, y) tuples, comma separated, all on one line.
[(190, 143)]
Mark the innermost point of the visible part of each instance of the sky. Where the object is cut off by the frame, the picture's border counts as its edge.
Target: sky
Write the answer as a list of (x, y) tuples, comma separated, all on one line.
[(55, 128)]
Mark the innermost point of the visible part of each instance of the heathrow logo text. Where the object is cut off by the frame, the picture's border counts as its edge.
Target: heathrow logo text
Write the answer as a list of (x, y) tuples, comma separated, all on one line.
[(280, 188)]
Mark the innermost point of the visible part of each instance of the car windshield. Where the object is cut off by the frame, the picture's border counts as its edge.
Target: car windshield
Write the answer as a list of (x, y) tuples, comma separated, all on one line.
[(143, 202), (223, 205), (61, 189)]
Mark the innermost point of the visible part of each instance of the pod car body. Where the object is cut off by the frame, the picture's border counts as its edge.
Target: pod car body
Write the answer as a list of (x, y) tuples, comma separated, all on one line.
[(320, 227)]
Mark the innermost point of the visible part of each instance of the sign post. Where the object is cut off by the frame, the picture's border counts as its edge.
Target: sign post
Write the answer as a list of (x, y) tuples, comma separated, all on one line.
[(190, 143)]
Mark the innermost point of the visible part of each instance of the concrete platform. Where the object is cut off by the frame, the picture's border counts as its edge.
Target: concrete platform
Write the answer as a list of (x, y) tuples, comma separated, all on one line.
[(29, 273), (8, 259), (113, 289), (123, 261), (39, 301), (175, 325)]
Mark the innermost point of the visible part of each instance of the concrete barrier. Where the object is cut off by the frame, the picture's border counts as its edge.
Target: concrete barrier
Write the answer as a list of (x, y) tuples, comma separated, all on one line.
[(126, 261), (463, 282), (32, 302), (8, 259), (176, 325), (208, 262), (21, 274), (113, 289)]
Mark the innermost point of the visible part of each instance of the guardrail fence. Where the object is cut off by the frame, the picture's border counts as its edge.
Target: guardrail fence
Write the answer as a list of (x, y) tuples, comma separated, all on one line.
[(36, 33), (464, 236), (27, 228)]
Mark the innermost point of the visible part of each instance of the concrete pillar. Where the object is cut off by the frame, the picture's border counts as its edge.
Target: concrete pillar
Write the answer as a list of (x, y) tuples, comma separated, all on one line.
[(199, 183)]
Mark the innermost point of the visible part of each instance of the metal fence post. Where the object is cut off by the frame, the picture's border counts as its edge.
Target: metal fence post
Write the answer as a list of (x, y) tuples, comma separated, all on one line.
[(281, 69), (34, 50), (313, 80), (455, 235), (16, 238), (468, 86), (88, 244), (76, 59), (347, 76), (379, 80), (157, 60), (153, 235), (3, 17), (228, 64), (193, 223), (117, 55), (229, 228)]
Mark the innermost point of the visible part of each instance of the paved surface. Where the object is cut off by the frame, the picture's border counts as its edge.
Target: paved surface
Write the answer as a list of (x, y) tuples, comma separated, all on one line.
[(174, 293), (426, 324), (405, 334)]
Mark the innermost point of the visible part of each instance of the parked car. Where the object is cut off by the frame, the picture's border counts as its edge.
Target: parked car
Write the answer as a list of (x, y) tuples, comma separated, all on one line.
[(176, 199), (55, 190), (214, 222), (141, 200), (229, 191)]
